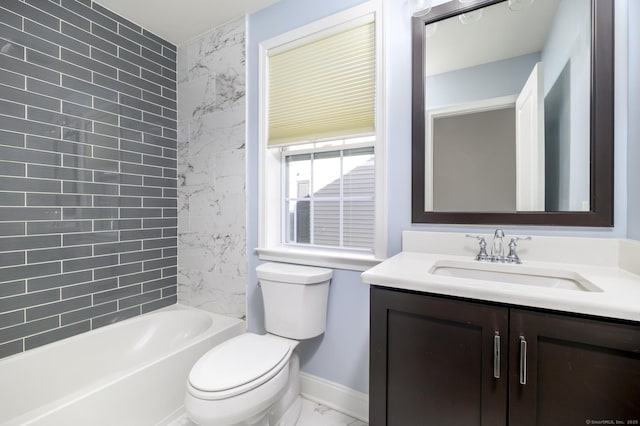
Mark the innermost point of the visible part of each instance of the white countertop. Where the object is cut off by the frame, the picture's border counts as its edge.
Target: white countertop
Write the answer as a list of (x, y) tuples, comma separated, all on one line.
[(619, 299)]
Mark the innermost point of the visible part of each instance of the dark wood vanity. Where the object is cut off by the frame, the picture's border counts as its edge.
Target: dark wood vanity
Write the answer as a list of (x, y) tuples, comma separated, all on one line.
[(438, 360)]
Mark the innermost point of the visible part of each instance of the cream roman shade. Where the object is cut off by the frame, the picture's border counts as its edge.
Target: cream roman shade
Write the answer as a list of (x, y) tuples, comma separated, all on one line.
[(324, 88)]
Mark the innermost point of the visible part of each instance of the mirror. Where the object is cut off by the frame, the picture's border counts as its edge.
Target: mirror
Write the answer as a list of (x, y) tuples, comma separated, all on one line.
[(513, 113)]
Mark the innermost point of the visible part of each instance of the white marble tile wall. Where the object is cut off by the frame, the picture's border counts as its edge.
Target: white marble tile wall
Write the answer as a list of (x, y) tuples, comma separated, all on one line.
[(211, 171)]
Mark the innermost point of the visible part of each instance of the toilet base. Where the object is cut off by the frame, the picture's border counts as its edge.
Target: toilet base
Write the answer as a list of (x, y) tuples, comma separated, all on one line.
[(291, 416), (286, 410)]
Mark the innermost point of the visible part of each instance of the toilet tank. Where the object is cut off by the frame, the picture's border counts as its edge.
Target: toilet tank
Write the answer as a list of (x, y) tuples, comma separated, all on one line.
[(295, 299)]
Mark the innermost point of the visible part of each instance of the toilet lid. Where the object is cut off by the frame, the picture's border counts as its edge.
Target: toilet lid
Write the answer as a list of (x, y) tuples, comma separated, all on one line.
[(237, 361)]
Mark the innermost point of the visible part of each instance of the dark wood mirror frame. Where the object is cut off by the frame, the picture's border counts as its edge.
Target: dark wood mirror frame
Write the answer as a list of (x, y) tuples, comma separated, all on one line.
[(602, 119)]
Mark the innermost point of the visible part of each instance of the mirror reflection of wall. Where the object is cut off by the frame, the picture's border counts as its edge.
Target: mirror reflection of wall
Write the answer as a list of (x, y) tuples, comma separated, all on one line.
[(476, 162), (472, 63), (557, 129)]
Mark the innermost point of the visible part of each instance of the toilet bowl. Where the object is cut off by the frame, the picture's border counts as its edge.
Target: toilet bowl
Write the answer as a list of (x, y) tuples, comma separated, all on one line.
[(238, 381), (253, 379)]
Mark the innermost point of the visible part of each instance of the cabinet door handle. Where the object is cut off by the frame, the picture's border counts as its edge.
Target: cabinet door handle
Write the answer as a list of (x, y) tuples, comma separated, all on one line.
[(523, 361), (496, 355)]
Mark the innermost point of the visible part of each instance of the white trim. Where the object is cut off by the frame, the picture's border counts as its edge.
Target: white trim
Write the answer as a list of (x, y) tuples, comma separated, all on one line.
[(329, 148), (325, 32), (335, 396), (450, 111), (381, 169), (530, 149), (270, 226), (262, 148), (324, 27)]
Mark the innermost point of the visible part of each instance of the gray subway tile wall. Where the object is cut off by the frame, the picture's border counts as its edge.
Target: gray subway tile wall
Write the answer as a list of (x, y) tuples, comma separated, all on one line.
[(88, 215)]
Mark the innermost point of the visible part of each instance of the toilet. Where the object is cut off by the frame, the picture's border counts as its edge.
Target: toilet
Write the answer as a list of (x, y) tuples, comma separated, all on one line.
[(253, 379)]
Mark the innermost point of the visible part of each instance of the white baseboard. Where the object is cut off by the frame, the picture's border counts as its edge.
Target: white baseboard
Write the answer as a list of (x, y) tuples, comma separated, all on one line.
[(335, 396)]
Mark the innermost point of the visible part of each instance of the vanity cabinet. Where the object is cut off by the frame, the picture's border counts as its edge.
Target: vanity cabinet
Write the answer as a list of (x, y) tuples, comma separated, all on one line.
[(443, 361), (577, 370)]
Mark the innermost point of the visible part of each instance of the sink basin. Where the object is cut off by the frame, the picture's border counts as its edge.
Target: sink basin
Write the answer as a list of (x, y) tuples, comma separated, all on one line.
[(514, 274)]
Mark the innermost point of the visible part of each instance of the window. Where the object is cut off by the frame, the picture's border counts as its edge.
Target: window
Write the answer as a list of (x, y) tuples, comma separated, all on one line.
[(321, 152), (329, 196)]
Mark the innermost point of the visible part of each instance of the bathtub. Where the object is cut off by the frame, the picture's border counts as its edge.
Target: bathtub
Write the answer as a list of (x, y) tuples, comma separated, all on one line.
[(129, 373)]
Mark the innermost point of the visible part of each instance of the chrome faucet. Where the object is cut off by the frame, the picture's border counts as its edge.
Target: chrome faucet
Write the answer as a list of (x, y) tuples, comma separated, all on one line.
[(497, 248)]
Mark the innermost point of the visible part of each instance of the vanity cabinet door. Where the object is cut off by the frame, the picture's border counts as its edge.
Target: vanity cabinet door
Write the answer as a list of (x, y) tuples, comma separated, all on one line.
[(432, 361), (572, 371)]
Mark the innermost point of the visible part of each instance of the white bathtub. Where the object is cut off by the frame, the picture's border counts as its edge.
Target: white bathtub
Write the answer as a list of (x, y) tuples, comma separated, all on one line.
[(130, 373)]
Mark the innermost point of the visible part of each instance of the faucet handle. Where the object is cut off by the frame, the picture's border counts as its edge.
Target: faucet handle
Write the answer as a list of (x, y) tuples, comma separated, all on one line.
[(482, 254), (512, 257)]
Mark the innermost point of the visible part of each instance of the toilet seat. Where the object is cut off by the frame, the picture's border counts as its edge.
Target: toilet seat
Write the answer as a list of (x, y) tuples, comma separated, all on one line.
[(239, 365)]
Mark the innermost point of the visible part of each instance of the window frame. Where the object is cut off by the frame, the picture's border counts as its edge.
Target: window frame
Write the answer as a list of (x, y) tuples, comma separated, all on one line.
[(271, 245)]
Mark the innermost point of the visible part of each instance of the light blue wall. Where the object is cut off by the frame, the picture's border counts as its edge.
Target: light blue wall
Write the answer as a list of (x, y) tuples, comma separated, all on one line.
[(634, 123), (480, 82), (341, 355), (569, 41)]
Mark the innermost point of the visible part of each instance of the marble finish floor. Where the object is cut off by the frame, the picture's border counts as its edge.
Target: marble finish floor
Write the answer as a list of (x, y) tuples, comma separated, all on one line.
[(312, 414)]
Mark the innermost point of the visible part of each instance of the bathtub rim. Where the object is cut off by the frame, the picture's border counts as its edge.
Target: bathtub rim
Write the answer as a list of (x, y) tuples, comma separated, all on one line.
[(106, 328), (37, 413)]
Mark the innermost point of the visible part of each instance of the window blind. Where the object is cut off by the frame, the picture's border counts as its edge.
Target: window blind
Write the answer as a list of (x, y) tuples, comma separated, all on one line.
[(323, 89)]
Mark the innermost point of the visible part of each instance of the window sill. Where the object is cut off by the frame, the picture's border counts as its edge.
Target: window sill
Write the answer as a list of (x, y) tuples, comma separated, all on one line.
[(318, 257)]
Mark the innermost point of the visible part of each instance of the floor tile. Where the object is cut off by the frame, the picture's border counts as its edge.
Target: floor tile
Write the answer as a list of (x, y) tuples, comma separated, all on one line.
[(311, 414)]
